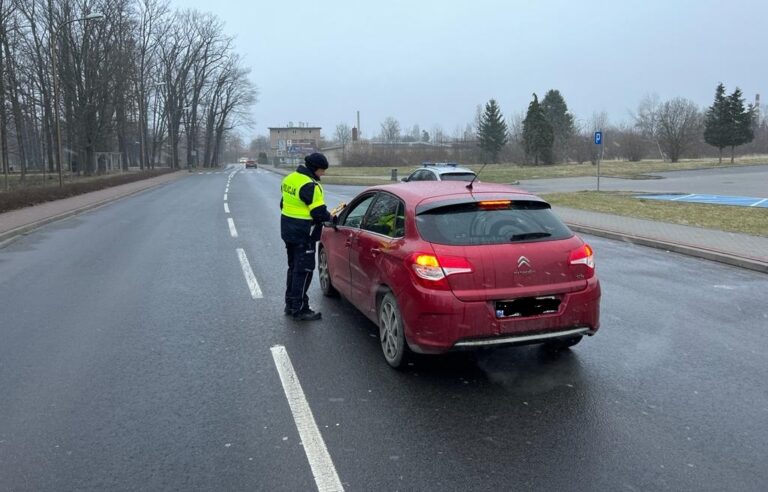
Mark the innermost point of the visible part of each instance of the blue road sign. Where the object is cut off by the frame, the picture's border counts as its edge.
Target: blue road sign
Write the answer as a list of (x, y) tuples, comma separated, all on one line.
[(598, 138)]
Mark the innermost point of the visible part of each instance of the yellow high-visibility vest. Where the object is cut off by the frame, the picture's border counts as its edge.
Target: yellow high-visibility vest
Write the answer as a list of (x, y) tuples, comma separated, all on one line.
[(293, 206)]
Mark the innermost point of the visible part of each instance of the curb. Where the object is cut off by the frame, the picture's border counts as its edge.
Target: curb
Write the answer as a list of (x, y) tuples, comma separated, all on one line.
[(707, 254), (8, 237)]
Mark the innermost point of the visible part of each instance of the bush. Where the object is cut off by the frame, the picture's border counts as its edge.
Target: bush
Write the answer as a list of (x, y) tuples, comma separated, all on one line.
[(17, 199)]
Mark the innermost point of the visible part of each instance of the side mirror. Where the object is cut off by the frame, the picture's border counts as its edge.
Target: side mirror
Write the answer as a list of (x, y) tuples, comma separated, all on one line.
[(404, 180)]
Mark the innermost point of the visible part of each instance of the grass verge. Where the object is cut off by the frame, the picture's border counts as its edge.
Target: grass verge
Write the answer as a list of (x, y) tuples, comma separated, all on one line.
[(745, 220), (508, 173)]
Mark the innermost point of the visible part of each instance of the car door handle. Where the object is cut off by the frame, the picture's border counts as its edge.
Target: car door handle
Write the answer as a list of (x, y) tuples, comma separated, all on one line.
[(375, 251), (348, 242)]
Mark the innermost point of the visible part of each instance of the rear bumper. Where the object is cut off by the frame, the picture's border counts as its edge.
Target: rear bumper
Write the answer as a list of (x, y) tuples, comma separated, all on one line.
[(437, 322), (522, 339)]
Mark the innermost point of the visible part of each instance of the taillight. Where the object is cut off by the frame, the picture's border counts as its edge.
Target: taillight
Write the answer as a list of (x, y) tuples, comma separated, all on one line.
[(583, 256), (432, 271)]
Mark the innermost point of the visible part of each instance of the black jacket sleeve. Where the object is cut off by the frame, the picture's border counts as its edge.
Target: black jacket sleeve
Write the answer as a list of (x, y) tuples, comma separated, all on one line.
[(319, 214)]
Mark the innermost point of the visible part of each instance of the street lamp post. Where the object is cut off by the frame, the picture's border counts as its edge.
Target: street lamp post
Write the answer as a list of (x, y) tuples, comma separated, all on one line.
[(54, 40)]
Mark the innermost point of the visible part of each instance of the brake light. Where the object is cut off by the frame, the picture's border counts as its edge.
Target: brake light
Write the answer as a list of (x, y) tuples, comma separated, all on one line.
[(583, 256), (494, 204), (432, 271)]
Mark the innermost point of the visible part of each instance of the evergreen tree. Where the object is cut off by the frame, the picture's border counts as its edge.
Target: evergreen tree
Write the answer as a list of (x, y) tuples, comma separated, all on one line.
[(556, 112), (538, 135), (728, 123), (741, 118), (717, 121), (492, 130)]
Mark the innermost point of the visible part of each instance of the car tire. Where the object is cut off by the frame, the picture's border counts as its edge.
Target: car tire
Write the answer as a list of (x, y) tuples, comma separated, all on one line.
[(324, 274), (563, 343), (392, 332)]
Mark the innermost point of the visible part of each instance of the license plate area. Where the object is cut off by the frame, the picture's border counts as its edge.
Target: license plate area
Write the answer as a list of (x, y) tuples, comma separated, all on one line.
[(526, 307)]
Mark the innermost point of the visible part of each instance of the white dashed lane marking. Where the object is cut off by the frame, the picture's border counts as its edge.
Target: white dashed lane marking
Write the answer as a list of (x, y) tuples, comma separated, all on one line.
[(250, 278), (312, 441), (232, 230)]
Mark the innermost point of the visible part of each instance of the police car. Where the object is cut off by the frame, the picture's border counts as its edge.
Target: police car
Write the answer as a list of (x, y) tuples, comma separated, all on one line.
[(440, 171)]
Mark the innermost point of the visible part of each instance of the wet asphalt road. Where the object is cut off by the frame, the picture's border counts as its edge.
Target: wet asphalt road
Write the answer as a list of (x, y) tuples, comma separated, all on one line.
[(133, 356)]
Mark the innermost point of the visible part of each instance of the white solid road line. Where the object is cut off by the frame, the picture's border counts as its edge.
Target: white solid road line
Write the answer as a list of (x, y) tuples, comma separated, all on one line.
[(232, 230), (320, 461), (250, 278), (226, 208)]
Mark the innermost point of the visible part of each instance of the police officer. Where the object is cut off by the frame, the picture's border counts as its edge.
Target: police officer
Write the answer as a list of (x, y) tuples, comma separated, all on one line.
[(303, 212)]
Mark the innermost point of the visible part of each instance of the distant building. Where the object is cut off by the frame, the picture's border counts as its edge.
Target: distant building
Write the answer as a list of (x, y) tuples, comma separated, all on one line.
[(289, 144)]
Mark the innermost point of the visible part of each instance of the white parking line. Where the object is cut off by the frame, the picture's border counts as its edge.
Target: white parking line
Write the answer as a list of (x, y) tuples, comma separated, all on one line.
[(232, 230), (681, 197), (226, 208), (320, 461), (250, 278), (758, 203)]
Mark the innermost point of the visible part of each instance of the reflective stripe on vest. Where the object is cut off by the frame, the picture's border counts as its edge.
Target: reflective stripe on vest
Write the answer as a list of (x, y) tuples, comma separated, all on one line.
[(293, 206)]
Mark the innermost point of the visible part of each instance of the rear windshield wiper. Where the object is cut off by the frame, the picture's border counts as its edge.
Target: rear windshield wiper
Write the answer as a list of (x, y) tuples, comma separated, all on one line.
[(529, 235)]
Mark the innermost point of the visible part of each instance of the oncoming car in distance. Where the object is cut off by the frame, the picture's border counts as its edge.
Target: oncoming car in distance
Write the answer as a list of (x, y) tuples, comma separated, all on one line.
[(440, 171), (251, 163), (443, 266)]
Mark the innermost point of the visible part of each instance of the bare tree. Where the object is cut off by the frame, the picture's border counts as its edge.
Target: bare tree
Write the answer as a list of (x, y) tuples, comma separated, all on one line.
[(647, 120), (680, 125), (343, 134), (150, 15), (390, 130), (126, 81), (632, 145)]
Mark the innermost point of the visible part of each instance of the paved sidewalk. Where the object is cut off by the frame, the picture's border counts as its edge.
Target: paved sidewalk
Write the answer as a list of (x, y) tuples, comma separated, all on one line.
[(734, 249)]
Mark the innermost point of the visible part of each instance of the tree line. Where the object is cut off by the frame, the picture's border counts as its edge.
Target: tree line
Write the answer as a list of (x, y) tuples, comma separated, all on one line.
[(158, 86), (548, 133)]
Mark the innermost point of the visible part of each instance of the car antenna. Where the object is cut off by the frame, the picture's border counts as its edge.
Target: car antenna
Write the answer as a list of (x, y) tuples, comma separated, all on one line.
[(469, 186)]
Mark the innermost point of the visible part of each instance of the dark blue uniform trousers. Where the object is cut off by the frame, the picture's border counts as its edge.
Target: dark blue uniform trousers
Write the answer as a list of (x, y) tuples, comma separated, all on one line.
[(301, 265)]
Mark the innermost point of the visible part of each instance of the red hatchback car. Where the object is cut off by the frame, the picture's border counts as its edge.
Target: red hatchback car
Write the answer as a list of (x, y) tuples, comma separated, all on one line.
[(438, 267)]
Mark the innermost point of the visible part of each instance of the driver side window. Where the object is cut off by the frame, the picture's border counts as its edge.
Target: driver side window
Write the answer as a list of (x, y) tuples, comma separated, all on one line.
[(386, 216), (354, 217)]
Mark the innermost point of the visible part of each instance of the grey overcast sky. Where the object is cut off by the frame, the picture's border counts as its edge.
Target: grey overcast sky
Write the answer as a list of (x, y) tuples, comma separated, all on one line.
[(432, 62)]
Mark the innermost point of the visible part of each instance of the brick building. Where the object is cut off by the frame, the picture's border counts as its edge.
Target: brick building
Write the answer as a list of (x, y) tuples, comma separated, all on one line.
[(289, 144)]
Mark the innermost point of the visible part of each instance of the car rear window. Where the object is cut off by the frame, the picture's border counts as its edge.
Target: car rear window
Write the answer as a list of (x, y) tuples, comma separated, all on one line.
[(480, 223), (457, 176)]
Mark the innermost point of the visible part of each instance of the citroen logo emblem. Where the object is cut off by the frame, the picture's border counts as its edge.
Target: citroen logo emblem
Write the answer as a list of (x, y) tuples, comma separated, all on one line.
[(523, 261)]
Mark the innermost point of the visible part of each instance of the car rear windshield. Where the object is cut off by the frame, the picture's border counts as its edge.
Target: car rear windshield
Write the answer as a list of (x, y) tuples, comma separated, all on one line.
[(491, 223), (457, 176)]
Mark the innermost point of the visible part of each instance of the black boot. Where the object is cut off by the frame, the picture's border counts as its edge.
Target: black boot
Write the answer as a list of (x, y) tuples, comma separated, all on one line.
[(307, 315)]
